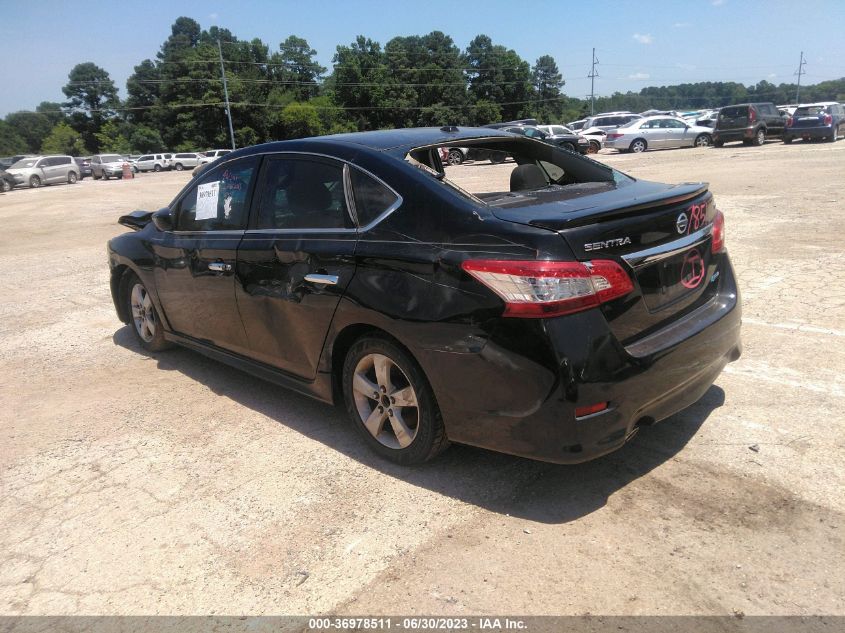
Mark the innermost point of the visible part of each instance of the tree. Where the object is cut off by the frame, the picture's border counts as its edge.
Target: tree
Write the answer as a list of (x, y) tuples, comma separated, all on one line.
[(91, 90), (499, 75), (360, 81), (114, 137), (52, 110), (10, 141), (297, 67), (547, 82), (32, 127), (300, 120), (145, 140), (63, 139)]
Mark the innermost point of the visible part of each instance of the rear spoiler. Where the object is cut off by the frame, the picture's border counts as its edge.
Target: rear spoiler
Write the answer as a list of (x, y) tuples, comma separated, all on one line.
[(136, 220)]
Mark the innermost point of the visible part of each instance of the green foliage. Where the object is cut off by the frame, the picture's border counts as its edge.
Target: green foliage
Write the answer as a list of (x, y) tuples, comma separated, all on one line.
[(112, 139), (144, 140), (32, 127), (10, 141), (63, 139), (300, 120)]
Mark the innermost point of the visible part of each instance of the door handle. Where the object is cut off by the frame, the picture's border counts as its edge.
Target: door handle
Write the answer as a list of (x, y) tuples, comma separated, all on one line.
[(219, 267), (327, 280)]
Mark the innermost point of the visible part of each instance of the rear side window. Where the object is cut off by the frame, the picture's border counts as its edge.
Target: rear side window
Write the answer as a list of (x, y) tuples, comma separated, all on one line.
[(372, 198), (300, 193), (733, 112), (63, 160), (220, 201)]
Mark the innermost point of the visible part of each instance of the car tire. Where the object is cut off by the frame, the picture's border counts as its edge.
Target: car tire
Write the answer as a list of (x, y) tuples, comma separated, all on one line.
[(637, 146), (718, 143), (702, 140), (143, 316), (7, 186), (834, 135), (71, 178), (759, 137), (787, 140), (569, 147), (376, 374), (179, 167), (105, 176), (157, 168), (594, 147), (497, 157), (94, 176), (34, 182)]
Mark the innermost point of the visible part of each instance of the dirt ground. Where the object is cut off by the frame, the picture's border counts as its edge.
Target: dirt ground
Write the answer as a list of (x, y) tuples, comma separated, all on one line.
[(171, 484)]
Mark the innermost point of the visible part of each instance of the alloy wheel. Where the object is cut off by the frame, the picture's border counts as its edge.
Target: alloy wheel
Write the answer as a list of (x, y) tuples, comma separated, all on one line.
[(143, 313), (385, 401)]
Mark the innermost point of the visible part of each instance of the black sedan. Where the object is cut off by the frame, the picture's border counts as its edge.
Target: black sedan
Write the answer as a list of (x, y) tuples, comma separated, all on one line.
[(547, 314)]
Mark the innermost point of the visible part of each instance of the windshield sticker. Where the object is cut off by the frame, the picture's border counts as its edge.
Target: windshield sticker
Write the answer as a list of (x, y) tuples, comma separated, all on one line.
[(207, 195)]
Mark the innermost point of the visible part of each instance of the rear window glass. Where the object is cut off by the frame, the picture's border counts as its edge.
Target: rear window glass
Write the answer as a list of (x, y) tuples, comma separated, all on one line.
[(809, 111), (731, 113)]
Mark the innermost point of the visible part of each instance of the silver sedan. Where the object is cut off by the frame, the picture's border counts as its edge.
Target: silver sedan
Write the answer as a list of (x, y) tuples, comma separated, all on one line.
[(657, 132)]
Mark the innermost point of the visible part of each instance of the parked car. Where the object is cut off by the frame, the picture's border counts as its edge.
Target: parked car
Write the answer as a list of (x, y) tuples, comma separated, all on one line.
[(186, 160), (44, 170), (816, 121), (7, 181), (596, 136), (350, 268), (84, 164), (569, 142), (595, 142), (751, 123), (611, 120), (657, 132), (107, 166), (151, 162), (212, 155), (8, 161), (576, 126)]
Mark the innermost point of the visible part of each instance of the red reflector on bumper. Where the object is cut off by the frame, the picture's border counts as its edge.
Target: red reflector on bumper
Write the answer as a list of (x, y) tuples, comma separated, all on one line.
[(580, 412)]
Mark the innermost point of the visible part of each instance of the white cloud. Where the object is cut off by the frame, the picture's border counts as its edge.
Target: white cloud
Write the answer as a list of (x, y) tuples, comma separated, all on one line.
[(639, 76), (643, 38), (681, 25), (213, 17), (772, 75)]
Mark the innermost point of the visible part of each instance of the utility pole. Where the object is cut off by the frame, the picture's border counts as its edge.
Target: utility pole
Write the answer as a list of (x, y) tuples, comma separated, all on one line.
[(226, 94), (593, 74), (800, 72)]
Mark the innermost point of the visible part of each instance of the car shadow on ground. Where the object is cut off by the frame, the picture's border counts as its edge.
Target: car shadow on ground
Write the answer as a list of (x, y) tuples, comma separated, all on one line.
[(547, 493)]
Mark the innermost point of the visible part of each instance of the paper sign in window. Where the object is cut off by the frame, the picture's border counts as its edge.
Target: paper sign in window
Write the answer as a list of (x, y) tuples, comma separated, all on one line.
[(207, 195)]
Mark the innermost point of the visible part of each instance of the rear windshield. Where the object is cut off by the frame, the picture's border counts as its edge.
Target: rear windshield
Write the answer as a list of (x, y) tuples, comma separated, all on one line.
[(110, 158), (810, 111), (733, 112)]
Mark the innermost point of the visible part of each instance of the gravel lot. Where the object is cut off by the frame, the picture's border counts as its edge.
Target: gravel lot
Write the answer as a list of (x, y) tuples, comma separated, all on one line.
[(171, 484)]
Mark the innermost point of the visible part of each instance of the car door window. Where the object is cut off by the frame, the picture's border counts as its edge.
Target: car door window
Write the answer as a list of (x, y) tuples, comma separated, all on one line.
[(372, 197), (220, 200), (299, 193)]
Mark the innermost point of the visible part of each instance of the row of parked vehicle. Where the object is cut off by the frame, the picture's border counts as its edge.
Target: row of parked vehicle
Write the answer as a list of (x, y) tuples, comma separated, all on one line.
[(749, 123), (36, 171)]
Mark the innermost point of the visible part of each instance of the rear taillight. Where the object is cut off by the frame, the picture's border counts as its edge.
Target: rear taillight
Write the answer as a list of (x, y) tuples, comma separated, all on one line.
[(828, 120), (789, 122), (542, 289), (752, 116), (717, 243), (615, 135)]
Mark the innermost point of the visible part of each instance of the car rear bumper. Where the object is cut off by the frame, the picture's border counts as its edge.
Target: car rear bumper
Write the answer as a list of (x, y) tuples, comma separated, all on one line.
[(520, 393), (821, 131), (728, 136)]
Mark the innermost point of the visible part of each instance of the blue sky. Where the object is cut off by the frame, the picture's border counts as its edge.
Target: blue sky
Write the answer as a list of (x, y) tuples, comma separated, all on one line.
[(638, 44)]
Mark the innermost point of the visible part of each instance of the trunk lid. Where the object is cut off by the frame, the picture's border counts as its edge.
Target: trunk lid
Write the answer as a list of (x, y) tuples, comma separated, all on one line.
[(732, 118), (659, 233)]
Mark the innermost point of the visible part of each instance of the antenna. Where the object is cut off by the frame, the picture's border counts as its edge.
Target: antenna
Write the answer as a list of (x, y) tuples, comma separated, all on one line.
[(800, 72), (593, 74)]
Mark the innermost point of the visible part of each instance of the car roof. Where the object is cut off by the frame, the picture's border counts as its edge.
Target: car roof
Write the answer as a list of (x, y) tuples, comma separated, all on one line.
[(399, 141)]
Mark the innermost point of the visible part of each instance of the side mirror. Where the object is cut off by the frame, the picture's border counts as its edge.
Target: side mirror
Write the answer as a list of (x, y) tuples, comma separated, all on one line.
[(163, 220)]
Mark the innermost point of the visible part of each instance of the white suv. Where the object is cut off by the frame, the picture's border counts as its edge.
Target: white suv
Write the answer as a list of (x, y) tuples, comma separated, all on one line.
[(151, 162), (212, 155), (184, 160)]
